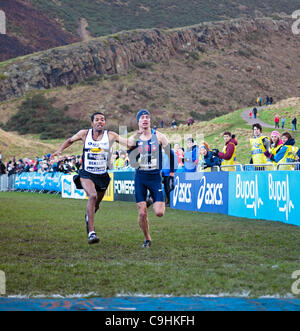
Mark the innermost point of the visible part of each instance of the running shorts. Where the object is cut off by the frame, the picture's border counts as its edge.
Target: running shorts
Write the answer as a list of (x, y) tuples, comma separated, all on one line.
[(101, 181), (148, 181)]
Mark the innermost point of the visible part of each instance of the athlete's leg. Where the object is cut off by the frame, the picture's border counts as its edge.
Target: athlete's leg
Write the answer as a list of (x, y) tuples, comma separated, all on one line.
[(143, 219), (159, 208), (89, 188), (100, 196)]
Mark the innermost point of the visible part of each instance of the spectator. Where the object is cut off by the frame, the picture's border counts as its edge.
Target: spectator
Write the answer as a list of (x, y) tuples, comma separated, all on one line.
[(294, 124), (210, 159), (287, 153), (282, 122), (267, 100), (2, 167), (254, 112), (174, 124), (162, 124), (258, 101), (259, 145), (191, 156), (119, 160), (229, 151), (250, 114), (190, 121), (276, 120), (276, 144), (271, 101)]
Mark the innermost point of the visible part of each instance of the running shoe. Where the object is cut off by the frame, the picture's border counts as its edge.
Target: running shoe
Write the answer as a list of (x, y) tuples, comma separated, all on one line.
[(147, 244), (93, 239)]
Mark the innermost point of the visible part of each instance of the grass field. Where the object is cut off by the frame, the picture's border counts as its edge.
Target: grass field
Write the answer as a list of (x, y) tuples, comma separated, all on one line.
[(44, 251)]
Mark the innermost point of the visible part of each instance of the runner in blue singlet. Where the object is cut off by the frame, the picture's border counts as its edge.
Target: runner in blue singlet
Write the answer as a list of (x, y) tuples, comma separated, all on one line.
[(147, 159)]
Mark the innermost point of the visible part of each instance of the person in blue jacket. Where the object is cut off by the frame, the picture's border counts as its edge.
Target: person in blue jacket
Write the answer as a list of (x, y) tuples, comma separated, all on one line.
[(191, 156), (210, 158)]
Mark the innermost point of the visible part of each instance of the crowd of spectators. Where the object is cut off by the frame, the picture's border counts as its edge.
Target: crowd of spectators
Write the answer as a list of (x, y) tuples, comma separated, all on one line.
[(66, 165)]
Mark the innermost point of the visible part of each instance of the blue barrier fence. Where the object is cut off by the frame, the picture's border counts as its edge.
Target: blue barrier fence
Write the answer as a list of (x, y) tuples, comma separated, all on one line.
[(268, 195), (38, 182)]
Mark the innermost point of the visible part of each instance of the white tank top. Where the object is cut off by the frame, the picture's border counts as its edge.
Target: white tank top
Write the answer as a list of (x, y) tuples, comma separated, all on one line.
[(96, 153)]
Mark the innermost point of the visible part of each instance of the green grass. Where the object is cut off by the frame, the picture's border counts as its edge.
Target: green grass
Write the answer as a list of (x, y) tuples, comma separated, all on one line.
[(44, 250), (107, 16)]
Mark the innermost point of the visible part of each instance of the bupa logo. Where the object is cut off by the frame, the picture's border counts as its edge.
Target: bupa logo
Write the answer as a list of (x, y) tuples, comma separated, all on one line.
[(210, 193), (182, 192), (279, 191), (248, 191)]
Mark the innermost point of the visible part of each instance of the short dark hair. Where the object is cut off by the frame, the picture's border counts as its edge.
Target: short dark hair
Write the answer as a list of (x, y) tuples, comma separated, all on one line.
[(97, 113), (258, 126), (227, 133)]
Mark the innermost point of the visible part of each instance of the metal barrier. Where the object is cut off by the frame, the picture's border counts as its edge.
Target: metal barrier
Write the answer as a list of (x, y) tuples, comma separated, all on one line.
[(260, 167), (208, 169), (288, 166), (232, 167), (7, 183)]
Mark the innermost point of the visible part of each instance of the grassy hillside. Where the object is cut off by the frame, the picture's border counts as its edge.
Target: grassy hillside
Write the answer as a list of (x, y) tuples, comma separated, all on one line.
[(213, 130), (109, 16), (11, 144)]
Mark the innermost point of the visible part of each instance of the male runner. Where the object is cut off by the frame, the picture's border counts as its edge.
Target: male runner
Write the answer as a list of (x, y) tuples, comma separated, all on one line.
[(93, 176), (147, 159)]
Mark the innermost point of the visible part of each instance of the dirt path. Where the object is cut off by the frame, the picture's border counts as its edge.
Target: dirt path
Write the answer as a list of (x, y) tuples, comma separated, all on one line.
[(82, 30), (251, 121)]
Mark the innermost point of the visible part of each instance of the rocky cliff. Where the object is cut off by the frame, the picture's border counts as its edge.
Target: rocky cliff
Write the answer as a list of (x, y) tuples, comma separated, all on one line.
[(74, 63)]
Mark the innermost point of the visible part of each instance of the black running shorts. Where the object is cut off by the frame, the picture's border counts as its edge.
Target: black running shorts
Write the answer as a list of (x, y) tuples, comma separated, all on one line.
[(101, 181)]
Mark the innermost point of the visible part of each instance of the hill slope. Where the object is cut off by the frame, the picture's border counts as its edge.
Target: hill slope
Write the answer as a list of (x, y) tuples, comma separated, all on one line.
[(12, 144), (200, 71), (35, 25), (29, 30), (110, 16)]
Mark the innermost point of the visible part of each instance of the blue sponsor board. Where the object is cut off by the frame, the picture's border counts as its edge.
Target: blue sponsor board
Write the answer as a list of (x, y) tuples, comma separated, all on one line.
[(34, 181), (269, 195), (124, 187), (203, 192)]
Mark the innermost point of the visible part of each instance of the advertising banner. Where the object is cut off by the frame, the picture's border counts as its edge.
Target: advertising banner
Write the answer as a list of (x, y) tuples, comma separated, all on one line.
[(269, 195), (203, 192), (69, 190), (124, 188), (34, 181)]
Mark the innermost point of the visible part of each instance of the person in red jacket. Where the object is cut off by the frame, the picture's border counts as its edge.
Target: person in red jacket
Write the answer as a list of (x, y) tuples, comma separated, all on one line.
[(276, 121), (229, 152)]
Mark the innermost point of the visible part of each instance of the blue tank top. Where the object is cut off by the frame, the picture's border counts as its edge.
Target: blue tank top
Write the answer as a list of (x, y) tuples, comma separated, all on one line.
[(149, 155)]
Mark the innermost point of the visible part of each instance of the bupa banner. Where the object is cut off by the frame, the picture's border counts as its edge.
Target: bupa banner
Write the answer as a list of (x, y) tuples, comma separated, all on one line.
[(203, 192), (69, 190), (269, 195), (124, 188)]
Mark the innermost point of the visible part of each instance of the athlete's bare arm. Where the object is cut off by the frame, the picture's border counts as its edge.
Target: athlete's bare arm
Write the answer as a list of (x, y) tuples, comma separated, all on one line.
[(81, 135), (127, 142)]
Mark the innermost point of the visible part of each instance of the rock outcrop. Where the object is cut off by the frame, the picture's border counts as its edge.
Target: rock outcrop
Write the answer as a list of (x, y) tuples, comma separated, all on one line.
[(116, 54)]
